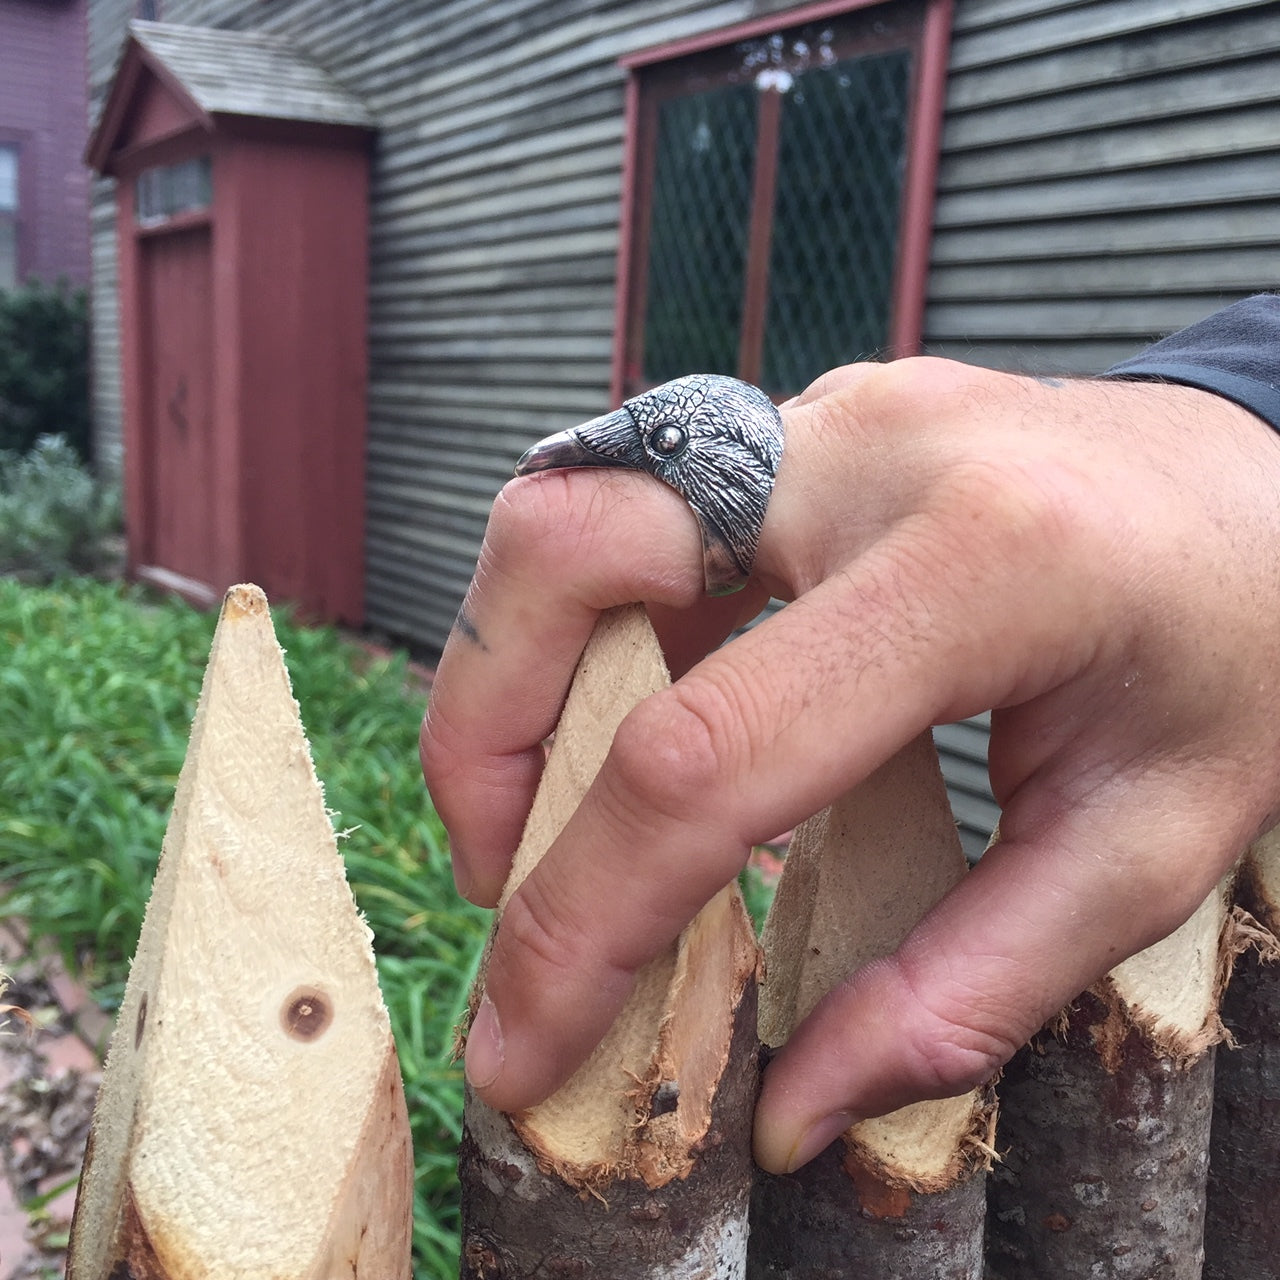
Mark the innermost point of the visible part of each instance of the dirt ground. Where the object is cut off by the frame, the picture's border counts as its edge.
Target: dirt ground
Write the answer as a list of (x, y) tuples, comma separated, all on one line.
[(48, 1080)]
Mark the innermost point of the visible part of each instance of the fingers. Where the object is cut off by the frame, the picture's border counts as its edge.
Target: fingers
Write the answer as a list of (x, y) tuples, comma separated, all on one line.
[(756, 737), (560, 548), (1036, 922), (964, 559), (614, 890)]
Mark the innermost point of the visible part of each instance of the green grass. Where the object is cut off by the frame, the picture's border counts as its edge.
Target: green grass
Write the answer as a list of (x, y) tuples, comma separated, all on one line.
[(98, 685)]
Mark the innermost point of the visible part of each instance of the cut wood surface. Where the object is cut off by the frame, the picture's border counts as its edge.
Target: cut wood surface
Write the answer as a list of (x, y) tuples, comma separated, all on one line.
[(640, 1165), (900, 1196), (1242, 1221), (251, 1121), (1104, 1120)]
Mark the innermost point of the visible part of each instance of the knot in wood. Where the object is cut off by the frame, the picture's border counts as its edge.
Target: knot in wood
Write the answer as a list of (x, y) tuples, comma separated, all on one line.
[(306, 1014), (480, 1260)]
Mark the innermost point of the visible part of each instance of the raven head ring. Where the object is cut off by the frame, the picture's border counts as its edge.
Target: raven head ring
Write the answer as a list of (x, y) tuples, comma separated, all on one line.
[(715, 440)]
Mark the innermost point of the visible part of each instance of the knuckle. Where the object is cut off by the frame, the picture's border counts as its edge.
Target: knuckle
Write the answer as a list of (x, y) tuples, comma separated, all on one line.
[(554, 955), (1034, 512), (532, 517), (535, 936), (437, 745), (593, 531), (918, 383), (664, 756), (951, 1043)]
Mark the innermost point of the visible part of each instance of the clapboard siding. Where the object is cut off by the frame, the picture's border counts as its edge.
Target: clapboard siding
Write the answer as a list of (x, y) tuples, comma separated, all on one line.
[(986, 41), (1202, 270), (1212, 228), (1109, 170), (1127, 103), (104, 351), (107, 20), (963, 750), (1097, 149)]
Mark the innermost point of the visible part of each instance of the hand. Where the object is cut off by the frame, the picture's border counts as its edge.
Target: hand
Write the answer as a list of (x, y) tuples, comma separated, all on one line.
[(1097, 561)]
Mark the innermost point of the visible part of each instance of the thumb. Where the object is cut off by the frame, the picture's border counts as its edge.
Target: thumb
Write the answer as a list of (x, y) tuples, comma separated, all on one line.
[(1038, 920)]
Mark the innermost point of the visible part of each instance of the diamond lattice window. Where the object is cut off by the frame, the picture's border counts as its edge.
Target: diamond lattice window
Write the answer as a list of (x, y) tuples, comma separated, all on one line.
[(767, 220)]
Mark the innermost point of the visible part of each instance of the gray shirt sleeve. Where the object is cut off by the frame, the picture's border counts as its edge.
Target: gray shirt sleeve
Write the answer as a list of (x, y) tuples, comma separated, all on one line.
[(1234, 353)]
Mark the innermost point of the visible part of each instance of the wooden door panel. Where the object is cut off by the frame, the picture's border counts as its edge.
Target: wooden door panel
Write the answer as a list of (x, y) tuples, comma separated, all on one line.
[(177, 317)]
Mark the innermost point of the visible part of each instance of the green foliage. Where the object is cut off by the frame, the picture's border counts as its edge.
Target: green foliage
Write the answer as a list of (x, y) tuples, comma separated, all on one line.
[(55, 518), (98, 684), (44, 366), (757, 894)]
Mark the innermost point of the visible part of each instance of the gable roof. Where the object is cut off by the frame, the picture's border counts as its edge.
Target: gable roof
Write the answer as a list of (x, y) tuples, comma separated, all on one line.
[(249, 73), (215, 72)]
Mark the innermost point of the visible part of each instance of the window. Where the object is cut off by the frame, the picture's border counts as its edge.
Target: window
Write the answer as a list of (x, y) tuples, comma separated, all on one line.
[(9, 267), (171, 189), (779, 194)]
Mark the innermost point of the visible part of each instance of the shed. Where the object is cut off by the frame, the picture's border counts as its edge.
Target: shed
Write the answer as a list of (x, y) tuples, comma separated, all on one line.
[(242, 223)]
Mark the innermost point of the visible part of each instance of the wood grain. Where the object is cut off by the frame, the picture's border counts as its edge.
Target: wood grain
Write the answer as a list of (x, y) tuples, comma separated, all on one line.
[(251, 1120)]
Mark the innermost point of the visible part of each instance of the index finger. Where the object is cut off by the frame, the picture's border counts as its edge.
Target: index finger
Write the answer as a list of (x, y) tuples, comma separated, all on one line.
[(560, 548)]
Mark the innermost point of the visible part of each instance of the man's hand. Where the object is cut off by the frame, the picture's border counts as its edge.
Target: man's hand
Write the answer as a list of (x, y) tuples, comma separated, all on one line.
[(1098, 562)]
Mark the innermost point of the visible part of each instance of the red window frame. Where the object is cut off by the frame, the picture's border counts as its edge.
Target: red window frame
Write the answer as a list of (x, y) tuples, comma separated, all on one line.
[(656, 73)]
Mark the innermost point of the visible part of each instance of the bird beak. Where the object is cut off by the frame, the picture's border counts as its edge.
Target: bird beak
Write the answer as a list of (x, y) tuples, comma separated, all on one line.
[(568, 448)]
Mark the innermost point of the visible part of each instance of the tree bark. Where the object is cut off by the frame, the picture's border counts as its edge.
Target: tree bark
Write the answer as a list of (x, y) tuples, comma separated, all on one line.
[(251, 1120), (840, 1219), (520, 1220), (1104, 1122), (900, 1197), (639, 1166), (1242, 1226)]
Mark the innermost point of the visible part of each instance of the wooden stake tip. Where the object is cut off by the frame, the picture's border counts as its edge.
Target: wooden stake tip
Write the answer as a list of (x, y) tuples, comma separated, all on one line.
[(245, 600)]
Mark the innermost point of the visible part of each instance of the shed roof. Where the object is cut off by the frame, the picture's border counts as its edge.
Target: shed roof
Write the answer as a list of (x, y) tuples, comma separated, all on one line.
[(221, 75), (249, 73)]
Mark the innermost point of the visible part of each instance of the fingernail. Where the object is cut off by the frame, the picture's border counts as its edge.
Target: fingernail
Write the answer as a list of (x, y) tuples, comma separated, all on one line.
[(818, 1137), (463, 880), (484, 1047)]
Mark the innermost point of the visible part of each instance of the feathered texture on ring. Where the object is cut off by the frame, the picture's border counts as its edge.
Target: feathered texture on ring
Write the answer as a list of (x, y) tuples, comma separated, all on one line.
[(715, 440)]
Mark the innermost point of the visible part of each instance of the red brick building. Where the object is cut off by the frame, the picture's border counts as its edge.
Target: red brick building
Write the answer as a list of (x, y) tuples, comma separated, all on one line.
[(44, 184)]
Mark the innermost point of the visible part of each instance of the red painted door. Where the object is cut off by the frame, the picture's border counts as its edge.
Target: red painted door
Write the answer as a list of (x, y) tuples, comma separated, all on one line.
[(177, 337)]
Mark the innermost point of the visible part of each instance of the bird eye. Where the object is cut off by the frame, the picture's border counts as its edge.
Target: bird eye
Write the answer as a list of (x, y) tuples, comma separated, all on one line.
[(667, 441)]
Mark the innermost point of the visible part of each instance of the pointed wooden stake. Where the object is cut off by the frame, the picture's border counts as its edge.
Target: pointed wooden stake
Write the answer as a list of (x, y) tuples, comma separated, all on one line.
[(1242, 1224), (901, 1196), (640, 1165), (251, 1121), (1104, 1120)]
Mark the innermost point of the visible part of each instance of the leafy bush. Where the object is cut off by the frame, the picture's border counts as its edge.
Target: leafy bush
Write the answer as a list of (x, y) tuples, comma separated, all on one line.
[(98, 685), (55, 518), (44, 366)]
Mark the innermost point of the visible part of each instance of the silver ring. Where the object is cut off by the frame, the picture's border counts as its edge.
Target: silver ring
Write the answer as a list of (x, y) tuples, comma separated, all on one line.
[(715, 440)]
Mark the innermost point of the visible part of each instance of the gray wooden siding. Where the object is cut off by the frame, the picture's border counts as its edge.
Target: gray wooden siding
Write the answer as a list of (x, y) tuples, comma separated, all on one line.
[(107, 20), (1109, 172)]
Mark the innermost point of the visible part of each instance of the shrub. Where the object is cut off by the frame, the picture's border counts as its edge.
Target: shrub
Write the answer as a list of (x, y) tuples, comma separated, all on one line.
[(55, 518), (44, 366)]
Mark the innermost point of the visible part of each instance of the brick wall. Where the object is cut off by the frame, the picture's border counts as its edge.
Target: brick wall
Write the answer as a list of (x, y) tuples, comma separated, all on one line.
[(43, 110)]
